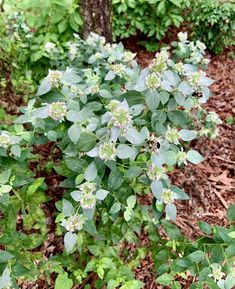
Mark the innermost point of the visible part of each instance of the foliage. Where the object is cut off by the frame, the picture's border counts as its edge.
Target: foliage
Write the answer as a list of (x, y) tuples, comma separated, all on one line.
[(120, 130), (151, 17), (213, 23)]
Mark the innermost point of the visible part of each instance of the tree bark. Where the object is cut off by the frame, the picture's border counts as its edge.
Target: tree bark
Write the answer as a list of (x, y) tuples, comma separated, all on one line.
[(97, 17)]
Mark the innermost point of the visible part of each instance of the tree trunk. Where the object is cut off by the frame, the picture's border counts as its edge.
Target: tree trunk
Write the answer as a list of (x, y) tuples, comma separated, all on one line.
[(97, 17)]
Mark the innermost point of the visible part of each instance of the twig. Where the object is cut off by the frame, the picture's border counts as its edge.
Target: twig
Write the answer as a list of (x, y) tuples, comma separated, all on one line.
[(221, 199)]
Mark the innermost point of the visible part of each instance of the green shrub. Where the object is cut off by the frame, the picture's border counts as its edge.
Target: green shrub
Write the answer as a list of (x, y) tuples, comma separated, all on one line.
[(151, 17), (120, 130), (213, 22)]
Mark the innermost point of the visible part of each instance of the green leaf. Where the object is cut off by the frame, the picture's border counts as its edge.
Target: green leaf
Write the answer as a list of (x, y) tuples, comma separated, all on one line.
[(90, 173), (194, 157), (124, 152), (134, 137), (101, 194), (70, 240), (5, 176), (63, 281), (5, 256), (74, 133), (187, 135), (165, 279), (205, 227), (232, 234), (67, 208), (44, 87), (131, 201), (16, 150), (230, 213), (116, 207), (152, 100), (133, 284)]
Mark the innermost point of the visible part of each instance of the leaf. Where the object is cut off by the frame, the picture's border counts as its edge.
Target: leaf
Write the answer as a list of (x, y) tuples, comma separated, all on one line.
[(74, 133), (124, 152), (44, 87), (187, 135), (5, 176), (127, 214), (110, 75), (70, 240), (171, 211), (67, 208), (16, 150), (232, 234), (205, 227), (5, 189), (116, 207), (5, 256), (230, 213), (90, 173), (157, 188), (131, 201), (63, 281), (134, 137), (194, 157), (165, 279), (101, 194), (152, 100)]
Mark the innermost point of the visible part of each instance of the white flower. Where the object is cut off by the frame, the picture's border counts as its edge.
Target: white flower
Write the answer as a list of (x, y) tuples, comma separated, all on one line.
[(217, 274), (5, 140), (214, 118), (87, 187), (168, 196), (194, 79), (153, 81), (54, 77), (107, 151), (183, 36), (113, 105), (179, 67), (200, 45), (154, 173), (88, 201), (73, 49), (118, 69), (159, 64), (128, 56), (58, 110), (50, 47), (73, 223), (95, 89), (172, 135), (181, 158), (121, 118)]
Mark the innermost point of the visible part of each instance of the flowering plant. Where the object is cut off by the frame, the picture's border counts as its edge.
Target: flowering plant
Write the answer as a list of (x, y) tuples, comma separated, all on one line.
[(120, 130)]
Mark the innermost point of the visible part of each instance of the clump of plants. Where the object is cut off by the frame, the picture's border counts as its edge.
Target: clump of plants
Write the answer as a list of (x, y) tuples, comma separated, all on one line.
[(150, 17), (213, 23), (120, 130)]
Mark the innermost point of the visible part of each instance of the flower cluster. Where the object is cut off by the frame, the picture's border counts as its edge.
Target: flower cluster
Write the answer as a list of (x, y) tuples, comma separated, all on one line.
[(168, 196), (87, 188), (5, 139), (217, 273), (214, 118), (159, 63), (181, 158), (153, 80), (128, 56), (50, 48), (107, 151), (172, 135), (58, 110), (179, 67), (118, 69), (121, 119), (73, 49), (54, 77), (154, 173), (194, 79), (88, 201), (73, 223)]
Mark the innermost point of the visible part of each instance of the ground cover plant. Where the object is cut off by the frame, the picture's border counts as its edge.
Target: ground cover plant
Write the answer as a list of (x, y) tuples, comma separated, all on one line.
[(119, 131)]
